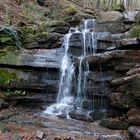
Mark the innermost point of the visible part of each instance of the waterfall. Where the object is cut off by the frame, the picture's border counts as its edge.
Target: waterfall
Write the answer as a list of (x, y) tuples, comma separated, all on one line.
[(66, 99), (67, 70)]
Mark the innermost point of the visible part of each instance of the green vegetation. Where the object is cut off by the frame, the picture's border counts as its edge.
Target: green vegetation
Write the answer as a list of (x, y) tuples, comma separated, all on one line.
[(6, 77), (70, 10), (10, 34), (32, 12), (9, 93), (118, 7), (9, 55), (135, 31)]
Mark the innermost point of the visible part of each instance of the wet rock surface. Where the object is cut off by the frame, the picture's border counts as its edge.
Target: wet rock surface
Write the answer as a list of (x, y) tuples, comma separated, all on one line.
[(28, 124)]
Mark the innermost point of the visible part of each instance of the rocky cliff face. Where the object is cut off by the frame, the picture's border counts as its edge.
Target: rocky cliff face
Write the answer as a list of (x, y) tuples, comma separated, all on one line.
[(31, 73)]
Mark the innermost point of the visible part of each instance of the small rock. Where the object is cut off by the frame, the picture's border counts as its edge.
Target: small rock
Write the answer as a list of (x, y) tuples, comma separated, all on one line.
[(17, 137), (40, 134)]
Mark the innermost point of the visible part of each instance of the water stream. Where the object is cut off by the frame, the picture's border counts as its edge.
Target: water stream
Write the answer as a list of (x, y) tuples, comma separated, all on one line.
[(67, 100)]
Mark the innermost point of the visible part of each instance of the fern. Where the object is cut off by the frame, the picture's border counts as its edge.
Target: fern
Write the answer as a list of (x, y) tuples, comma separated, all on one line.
[(13, 33)]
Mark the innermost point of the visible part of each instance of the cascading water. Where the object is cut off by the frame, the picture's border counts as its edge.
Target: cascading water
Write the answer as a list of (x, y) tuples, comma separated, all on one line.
[(66, 100)]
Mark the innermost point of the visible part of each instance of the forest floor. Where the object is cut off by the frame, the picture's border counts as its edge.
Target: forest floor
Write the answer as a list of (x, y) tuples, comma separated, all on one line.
[(29, 12)]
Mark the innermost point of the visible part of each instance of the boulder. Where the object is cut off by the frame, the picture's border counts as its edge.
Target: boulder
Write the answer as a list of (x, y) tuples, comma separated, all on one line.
[(134, 132), (130, 16), (134, 116), (115, 123), (112, 16), (122, 100), (113, 27)]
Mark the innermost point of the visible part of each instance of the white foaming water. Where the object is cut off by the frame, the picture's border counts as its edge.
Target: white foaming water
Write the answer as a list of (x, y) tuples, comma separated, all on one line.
[(65, 99), (67, 70), (63, 107)]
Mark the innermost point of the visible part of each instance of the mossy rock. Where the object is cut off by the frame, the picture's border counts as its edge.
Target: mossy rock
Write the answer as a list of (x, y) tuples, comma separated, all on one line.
[(54, 26), (118, 7), (7, 77), (135, 31), (10, 55), (10, 36), (70, 10), (6, 40), (30, 39), (28, 30)]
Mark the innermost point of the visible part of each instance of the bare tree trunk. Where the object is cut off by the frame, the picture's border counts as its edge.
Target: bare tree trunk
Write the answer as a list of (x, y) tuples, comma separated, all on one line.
[(98, 4), (109, 1)]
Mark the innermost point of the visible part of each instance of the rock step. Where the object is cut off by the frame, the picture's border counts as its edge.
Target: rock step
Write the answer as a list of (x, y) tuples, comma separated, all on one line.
[(38, 58)]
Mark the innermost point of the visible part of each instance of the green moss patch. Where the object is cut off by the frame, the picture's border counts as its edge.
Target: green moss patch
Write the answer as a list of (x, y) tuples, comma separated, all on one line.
[(118, 7), (70, 10), (9, 55), (6, 77), (10, 35), (135, 31)]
